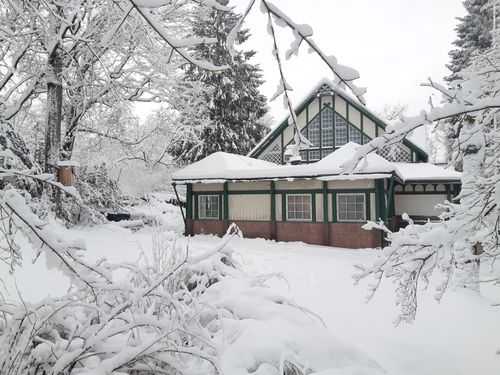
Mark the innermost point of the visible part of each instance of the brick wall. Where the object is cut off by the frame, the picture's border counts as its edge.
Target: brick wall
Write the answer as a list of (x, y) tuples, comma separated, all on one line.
[(216, 227), (348, 235), (352, 235), (313, 233), (256, 229)]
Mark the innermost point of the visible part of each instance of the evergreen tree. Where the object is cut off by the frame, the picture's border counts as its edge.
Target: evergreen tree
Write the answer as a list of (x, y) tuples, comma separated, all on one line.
[(474, 34), (474, 37), (233, 104)]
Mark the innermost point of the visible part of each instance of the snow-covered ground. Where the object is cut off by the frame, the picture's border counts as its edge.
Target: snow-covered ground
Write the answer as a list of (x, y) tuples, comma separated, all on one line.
[(458, 336)]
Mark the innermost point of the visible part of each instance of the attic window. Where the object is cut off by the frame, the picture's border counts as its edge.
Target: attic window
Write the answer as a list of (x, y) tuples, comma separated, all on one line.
[(340, 131)]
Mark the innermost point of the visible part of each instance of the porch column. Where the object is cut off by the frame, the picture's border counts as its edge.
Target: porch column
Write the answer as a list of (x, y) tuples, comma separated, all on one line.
[(189, 210), (326, 223), (226, 205), (273, 211)]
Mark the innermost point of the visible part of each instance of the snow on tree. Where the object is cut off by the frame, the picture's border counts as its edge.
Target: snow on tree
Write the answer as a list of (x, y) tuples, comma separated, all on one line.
[(468, 230), (474, 34), (232, 105)]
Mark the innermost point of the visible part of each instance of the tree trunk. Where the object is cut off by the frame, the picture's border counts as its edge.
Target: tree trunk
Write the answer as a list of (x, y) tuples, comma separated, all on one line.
[(54, 111)]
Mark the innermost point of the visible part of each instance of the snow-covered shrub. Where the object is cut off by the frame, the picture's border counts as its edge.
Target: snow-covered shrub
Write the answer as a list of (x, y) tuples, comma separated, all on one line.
[(97, 189), (181, 311)]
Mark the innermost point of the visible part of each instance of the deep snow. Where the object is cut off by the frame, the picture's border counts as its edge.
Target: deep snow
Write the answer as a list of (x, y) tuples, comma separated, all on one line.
[(458, 336)]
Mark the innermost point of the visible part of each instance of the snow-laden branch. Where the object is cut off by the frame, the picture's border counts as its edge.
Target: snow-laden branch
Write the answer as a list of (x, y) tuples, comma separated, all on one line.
[(394, 134), (344, 74), (178, 45)]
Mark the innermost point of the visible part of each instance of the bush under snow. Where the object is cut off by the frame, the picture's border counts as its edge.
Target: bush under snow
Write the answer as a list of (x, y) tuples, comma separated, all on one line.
[(184, 311)]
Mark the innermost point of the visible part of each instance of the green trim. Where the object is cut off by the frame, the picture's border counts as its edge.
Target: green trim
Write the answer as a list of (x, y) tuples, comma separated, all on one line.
[(220, 207), (334, 207), (273, 202), (196, 208), (368, 206), (302, 191), (313, 207), (320, 102), (380, 211), (334, 111), (362, 125), (226, 201), (283, 207), (390, 198), (352, 190), (348, 130), (282, 138), (189, 201), (325, 202)]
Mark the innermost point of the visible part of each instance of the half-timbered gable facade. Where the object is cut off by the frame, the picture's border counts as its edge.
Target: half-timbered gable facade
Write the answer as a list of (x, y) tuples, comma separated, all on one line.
[(329, 118)]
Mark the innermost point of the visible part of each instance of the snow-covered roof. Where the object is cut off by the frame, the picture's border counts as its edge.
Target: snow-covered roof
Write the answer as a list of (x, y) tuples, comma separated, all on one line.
[(415, 138), (425, 172), (221, 167)]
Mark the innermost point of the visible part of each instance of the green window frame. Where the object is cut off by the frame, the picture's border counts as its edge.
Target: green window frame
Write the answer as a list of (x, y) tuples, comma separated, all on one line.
[(208, 207), (299, 207), (351, 207)]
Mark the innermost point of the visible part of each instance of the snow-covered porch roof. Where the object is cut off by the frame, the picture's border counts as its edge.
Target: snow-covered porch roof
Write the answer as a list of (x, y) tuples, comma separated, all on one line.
[(223, 167)]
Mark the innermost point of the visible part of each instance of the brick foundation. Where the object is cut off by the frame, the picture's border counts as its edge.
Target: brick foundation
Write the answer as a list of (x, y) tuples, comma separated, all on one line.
[(256, 229), (216, 227), (313, 233), (353, 236), (347, 235)]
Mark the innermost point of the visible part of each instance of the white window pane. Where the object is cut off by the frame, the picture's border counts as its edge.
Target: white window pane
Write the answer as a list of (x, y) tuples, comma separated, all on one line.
[(208, 206), (351, 207), (340, 131), (299, 207)]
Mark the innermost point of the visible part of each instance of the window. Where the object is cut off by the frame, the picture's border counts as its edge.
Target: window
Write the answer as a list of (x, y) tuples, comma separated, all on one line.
[(326, 152), (355, 135), (351, 207), (298, 207), (327, 127), (340, 131), (396, 153), (208, 206), (313, 131), (314, 155)]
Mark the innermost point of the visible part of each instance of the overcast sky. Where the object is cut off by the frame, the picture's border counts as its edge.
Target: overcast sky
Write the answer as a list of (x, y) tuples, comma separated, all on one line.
[(394, 44)]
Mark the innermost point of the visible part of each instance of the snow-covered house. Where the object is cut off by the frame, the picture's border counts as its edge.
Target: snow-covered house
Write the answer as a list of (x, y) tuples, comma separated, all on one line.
[(315, 201)]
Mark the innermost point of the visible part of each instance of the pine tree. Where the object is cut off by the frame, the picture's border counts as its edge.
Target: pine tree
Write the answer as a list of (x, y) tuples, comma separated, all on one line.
[(233, 104), (474, 34), (475, 37)]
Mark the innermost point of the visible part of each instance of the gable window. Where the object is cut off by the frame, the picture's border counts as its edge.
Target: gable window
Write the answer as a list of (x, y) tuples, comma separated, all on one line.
[(340, 131), (313, 131), (351, 207), (208, 206), (327, 127), (355, 135), (299, 207)]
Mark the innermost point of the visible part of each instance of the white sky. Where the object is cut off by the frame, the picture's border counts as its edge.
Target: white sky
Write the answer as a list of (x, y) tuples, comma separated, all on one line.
[(394, 44)]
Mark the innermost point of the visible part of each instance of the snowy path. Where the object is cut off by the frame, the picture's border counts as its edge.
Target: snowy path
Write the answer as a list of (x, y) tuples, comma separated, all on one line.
[(457, 337)]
